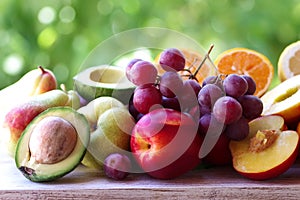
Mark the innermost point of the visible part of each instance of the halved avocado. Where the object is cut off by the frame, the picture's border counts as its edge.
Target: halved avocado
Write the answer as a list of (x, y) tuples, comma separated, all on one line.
[(103, 80), (38, 172)]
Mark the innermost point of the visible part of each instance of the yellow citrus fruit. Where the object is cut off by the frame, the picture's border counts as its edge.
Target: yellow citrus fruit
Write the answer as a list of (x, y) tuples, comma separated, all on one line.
[(245, 61), (289, 61)]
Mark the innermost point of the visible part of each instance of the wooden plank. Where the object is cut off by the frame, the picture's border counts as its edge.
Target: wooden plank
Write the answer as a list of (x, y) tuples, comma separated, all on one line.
[(83, 183)]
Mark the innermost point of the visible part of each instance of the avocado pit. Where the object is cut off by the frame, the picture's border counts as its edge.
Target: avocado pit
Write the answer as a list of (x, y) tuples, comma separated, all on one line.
[(52, 140)]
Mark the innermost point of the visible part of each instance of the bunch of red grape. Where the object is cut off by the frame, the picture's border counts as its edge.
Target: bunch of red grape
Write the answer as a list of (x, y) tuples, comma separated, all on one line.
[(228, 103), (222, 103), (168, 90)]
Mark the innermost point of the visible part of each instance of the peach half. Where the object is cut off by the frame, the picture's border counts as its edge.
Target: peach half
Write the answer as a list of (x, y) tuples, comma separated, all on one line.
[(268, 151)]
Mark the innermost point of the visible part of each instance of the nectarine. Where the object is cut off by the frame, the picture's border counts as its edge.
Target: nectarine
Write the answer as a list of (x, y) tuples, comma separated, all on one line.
[(165, 143), (268, 151)]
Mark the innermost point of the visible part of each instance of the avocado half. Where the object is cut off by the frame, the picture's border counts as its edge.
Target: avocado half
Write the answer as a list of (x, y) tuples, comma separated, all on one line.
[(103, 80), (39, 172)]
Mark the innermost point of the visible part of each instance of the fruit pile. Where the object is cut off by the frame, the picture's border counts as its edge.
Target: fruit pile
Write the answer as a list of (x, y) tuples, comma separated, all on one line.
[(172, 121), (222, 105)]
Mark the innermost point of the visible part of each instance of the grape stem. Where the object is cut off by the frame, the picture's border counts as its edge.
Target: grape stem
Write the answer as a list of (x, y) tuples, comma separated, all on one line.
[(203, 61)]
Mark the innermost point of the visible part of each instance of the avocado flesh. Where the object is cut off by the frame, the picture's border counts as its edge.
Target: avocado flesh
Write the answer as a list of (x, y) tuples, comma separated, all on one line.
[(38, 172), (103, 80)]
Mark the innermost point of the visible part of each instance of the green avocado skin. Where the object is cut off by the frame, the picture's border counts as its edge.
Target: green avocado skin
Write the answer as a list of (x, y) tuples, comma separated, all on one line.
[(90, 92), (31, 175), (50, 172)]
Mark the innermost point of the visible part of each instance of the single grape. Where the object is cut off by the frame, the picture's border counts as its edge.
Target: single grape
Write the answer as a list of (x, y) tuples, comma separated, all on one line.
[(139, 116), (170, 84), (188, 99), (132, 110), (129, 66), (227, 110), (117, 166), (205, 109), (235, 85), (145, 97), (172, 59), (208, 95), (204, 122), (209, 80), (172, 102), (252, 106), (213, 80), (209, 124), (251, 84), (194, 112), (238, 130), (193, 84), (142, 72)]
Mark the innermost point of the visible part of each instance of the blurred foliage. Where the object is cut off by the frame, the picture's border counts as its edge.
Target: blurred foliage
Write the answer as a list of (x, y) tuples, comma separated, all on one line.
[(59, 34)]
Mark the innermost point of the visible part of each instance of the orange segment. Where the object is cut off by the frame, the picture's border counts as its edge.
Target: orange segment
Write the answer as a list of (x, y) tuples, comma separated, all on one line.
[(193, 60), (248, 62)]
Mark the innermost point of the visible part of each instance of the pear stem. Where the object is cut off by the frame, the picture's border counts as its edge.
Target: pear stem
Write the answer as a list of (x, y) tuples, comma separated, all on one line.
[(63, 87), (42, 69)]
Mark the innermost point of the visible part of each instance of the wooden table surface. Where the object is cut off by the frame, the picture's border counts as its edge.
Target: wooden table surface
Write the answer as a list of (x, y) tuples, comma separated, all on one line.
[(83, 183)]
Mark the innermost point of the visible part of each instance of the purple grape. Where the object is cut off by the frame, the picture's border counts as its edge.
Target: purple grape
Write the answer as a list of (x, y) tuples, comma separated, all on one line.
[(194, 112), (142, 72), (188, 99), (117, 166), (208, 123), (132, 110), (129, 66), (235, 85), (145, 97), (252, 106), (172, 59), (227, 110), (213, 80), (238, 130), (251, 84), (194, 84), (208, 95), (139, 116), (204, 110), (171, 103), (170, 84)]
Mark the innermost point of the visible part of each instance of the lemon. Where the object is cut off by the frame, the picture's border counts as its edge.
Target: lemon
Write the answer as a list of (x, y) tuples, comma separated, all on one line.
[(289, 61)]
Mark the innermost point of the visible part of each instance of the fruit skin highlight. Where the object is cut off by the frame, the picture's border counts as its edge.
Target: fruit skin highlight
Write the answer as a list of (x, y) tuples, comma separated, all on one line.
[(165, 143)]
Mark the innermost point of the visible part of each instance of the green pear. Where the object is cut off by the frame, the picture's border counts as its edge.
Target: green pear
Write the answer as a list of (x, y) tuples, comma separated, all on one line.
[(94, 109), (17, 119), (112, 135), (74, 100)]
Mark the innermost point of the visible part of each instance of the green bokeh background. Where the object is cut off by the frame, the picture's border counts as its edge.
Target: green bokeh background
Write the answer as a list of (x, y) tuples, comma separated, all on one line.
[(60, 34)]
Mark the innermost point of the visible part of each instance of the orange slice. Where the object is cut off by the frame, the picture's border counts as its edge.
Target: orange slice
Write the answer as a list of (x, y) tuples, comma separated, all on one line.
[(192, 61), (248, 62), (289, 61)]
